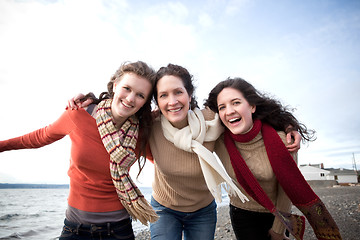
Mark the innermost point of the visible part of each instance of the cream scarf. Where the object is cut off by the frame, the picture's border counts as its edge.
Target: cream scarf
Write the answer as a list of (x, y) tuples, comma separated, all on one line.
[(120, 144), (191, 138)]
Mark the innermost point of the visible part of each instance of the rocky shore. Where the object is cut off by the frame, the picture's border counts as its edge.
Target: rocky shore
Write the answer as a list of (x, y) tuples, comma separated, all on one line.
[(343, 202)]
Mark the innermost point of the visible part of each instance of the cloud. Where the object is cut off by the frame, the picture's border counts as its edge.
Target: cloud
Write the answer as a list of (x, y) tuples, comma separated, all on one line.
[(51, 50), (233, 6), (205, 20)]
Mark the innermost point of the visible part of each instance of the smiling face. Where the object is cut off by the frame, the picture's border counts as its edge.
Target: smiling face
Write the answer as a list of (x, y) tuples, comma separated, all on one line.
[(130, 94), (173, 100), (235, 111)]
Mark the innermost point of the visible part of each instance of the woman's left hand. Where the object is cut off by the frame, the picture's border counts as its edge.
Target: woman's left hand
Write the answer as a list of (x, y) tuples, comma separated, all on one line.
[(295, 146), (74, 103), (277, 236)]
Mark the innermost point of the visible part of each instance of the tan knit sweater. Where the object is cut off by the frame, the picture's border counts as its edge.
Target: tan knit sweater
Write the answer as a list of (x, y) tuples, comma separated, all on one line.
[(256, 158), (178, 182)]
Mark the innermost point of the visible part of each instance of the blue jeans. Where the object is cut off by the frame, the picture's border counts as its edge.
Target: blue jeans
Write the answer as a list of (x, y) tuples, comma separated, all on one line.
[(195, 225), (107, 231)]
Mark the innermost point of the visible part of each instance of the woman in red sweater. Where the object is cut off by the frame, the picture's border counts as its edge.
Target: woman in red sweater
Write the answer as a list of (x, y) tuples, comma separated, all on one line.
[(102, 199), (252, 149)]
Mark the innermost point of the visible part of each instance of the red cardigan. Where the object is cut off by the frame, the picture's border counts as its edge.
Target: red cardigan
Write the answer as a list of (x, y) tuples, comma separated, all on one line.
[(91, 187)]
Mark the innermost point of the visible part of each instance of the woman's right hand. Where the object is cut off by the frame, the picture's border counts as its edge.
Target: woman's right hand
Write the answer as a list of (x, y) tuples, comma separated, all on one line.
[(74, 103)]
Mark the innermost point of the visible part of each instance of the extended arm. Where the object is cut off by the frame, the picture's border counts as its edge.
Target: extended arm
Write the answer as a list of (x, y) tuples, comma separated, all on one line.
[(38, 138)]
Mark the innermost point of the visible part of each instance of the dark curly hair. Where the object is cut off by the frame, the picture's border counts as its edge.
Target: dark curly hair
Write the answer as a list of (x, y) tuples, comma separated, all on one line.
[(268, 110), (183, 74), (144, 114)]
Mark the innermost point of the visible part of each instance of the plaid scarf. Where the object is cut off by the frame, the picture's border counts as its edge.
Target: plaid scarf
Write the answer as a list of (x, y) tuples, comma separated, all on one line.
[(290, 179), (121, 144)]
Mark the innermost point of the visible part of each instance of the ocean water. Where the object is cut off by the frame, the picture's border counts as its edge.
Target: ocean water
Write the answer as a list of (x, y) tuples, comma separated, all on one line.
[(39, 213)]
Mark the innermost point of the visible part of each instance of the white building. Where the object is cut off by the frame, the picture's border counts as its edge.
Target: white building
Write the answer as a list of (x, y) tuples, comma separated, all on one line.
[(315, 173), (342, 175)]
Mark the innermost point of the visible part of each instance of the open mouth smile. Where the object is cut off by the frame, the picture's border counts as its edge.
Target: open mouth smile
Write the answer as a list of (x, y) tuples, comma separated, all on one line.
[(175, 110), (127, 105), (234, 120)]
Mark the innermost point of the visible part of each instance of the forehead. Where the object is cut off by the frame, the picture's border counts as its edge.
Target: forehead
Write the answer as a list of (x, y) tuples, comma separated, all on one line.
[(229, 94), (137, 82), (168, 83), (130, 77)]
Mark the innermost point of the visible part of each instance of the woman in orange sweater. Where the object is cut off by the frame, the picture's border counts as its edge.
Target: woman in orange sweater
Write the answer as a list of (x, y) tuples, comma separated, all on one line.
[(103, 200)]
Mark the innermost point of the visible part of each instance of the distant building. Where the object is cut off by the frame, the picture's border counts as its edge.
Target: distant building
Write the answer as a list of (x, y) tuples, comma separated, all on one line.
[(311, 173), (342, 175)]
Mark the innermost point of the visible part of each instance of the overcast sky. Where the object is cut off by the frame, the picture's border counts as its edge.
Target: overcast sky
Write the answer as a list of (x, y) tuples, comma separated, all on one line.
[(306, 53)]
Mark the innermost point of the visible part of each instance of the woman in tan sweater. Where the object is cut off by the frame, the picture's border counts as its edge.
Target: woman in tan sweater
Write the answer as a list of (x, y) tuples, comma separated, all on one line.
[(253, 152), (180, 196)]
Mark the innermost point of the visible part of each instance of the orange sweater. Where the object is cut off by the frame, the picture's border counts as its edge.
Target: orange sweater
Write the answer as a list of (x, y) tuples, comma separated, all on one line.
[(91, 187)]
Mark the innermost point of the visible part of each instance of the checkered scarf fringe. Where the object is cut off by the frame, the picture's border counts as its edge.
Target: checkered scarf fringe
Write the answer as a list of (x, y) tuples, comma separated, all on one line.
[(121, 144)]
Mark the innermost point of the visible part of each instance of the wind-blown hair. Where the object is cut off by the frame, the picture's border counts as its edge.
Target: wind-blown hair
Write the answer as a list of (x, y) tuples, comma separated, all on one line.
[(183, 74), (144, 113), (268, 110)]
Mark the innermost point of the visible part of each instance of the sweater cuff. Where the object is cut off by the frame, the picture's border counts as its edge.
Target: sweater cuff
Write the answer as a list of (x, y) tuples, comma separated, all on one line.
[(278, 227)]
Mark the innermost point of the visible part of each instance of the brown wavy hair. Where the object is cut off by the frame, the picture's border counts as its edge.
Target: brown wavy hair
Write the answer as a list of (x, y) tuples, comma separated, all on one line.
[(268, 110), (144, 113), (184, 75)]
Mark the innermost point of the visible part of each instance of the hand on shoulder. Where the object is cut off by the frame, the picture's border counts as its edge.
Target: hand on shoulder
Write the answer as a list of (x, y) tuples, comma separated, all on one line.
[(75, 102)]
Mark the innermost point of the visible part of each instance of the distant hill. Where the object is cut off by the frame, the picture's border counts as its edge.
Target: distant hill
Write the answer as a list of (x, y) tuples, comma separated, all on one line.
[(29, 185)]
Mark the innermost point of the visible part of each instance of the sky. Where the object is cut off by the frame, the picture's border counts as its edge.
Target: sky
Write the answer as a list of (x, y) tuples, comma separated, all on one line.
[(304, 53)]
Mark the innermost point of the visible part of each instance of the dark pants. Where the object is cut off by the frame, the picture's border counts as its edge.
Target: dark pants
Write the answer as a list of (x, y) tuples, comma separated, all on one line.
[(249, 225), (106, 231)]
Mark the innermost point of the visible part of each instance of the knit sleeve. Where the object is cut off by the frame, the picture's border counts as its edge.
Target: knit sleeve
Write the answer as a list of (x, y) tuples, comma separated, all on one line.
[(208, 114), (40, 137), (283, 203)]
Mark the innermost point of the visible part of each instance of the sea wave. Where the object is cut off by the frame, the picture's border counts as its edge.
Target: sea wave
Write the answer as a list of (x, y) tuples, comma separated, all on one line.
[(42, 215)]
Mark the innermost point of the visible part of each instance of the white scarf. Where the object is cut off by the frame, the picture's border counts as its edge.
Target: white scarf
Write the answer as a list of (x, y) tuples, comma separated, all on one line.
[(191, 138)]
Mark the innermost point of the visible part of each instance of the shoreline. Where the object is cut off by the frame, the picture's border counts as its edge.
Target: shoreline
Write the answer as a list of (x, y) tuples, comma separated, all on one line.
[(343, 203)]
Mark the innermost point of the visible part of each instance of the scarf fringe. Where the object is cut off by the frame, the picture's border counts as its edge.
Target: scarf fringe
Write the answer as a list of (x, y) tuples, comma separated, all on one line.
[(140, 210), (231, 191), (295, 224), (215, 176), (216, 192)]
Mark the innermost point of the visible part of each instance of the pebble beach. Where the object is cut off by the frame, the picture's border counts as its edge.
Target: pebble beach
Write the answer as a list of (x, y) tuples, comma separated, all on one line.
[(343, 202)]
